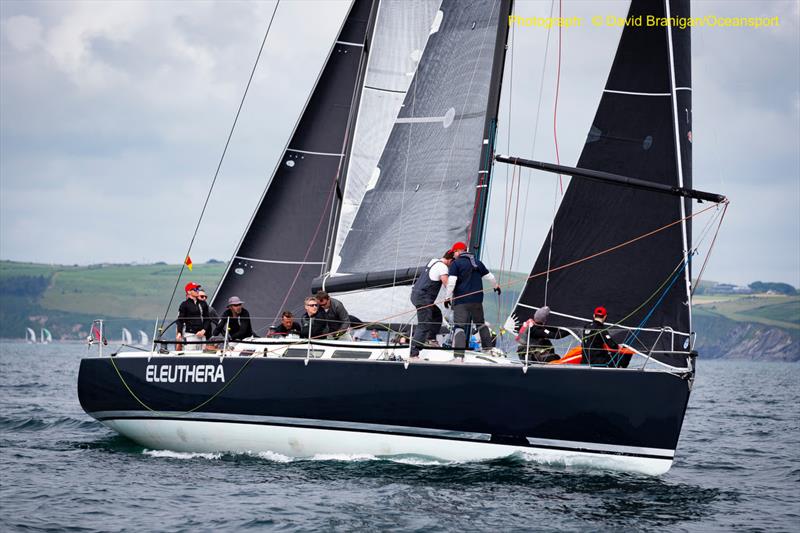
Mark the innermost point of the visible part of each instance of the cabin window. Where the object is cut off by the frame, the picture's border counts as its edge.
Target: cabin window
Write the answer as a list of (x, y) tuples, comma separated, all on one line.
[(351, 354), (302, 352)]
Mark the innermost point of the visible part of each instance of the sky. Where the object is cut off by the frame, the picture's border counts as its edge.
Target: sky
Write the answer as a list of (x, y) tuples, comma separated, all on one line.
[(113, 117)]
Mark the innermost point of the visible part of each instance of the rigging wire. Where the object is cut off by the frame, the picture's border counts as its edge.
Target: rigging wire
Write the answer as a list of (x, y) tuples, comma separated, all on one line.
[(710, 249), (560, 188), (221, 159), (538, 112)]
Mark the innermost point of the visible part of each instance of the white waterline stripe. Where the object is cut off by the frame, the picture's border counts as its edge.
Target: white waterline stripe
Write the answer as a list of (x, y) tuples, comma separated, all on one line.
[(591, 446), (313, 153), (279, 262), (636, 94), (297, 422), (683, 88), (350, 44)]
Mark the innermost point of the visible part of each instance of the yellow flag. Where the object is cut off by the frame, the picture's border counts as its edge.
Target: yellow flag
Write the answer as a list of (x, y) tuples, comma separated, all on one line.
[(188, 263)]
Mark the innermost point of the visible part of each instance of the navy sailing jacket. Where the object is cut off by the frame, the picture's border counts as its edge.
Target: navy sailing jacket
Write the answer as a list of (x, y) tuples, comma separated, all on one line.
[(469, 272)]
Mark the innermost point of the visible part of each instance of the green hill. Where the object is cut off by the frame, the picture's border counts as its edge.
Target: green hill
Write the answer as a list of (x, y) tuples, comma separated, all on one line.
[(65, 299)]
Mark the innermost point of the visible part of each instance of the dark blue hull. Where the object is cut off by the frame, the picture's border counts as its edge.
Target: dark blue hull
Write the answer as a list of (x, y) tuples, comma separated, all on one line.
[(603, 411)]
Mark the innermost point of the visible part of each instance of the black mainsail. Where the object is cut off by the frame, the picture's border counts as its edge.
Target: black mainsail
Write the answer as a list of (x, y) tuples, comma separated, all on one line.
[(642, 129), (283, 247)]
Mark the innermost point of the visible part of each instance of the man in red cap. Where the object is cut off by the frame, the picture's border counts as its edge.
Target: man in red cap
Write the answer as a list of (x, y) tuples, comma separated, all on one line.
[(599, 348), (193, 317), (465, 292)]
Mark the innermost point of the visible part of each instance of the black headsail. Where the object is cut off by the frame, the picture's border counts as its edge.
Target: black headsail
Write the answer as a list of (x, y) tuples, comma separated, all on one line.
[(424, 196), (642, 129), (283, 247)]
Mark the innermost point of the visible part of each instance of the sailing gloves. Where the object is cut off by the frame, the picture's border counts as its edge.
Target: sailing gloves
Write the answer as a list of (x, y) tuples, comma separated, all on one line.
[(498, 291)]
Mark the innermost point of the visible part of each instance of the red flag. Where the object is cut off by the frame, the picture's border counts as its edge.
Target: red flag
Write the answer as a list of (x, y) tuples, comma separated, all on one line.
[(96, 334), (188, 263)]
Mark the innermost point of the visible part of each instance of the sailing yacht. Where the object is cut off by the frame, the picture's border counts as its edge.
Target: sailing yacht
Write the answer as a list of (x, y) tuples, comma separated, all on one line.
[(30, 336), (393, 155), (45, 336)]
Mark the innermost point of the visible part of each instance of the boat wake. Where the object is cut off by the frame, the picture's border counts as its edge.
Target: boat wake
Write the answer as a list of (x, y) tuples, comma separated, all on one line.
[(274, 457)]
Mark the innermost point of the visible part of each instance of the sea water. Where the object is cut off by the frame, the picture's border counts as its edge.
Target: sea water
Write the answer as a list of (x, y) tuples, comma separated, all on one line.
[(737, 467)]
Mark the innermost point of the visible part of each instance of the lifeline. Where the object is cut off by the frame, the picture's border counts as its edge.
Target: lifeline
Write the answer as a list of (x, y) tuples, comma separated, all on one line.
[(184, 373)]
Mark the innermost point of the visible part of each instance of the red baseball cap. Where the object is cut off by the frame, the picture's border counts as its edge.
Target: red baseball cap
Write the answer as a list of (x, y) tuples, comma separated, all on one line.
[(191, 286), (600, 311), (458, 246)]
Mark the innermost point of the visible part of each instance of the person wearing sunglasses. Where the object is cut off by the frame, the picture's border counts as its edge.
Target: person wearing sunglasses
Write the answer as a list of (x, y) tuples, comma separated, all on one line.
[(193, 322), (236, 319), (312, 323)]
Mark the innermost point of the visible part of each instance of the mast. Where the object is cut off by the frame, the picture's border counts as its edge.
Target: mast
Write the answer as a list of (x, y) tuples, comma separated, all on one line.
[(490, 134), (683, 9)]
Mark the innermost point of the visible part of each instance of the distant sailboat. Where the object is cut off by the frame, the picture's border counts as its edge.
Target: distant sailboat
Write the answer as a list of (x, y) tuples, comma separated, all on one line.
[(30, 336), (127, 338), (45, 336), (144, 340)]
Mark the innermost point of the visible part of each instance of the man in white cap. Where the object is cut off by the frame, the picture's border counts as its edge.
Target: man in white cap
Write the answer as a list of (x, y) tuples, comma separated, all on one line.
[(535, 338), (236, 320)]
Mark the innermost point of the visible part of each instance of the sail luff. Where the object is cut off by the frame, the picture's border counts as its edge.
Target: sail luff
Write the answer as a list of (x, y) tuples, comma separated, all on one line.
[(489, 132), (352, 121), (687, 273)]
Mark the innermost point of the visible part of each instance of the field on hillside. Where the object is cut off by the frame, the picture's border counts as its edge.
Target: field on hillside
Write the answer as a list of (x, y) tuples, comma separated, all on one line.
[(768, 309), (136, 291), (65, 299)]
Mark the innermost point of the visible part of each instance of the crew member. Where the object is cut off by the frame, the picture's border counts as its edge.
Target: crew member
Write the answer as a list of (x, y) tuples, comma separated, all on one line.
[(423, 296), (535, 338), (236, 319), (333, 311), (599, 348), (288, 325), (192, 316), (465, 292), (311, 324)]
